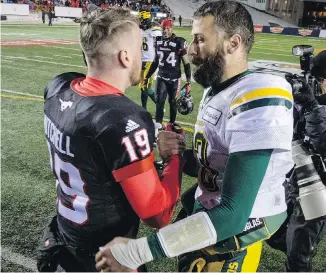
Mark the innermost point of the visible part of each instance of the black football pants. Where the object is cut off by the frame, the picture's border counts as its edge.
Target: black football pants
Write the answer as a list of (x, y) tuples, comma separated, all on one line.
[(55, 255), (166, 88)]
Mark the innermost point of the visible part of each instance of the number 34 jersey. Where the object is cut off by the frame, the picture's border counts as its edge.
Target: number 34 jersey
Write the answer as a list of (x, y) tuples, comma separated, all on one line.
[(250, 112), (89, 137)]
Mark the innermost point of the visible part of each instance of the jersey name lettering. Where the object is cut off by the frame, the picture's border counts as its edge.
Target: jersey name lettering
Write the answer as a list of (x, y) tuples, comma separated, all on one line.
[(57, 138)]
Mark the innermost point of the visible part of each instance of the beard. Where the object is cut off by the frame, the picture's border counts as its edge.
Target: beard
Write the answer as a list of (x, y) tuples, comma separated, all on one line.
[(135, 74), (209, 71), (321, 99)]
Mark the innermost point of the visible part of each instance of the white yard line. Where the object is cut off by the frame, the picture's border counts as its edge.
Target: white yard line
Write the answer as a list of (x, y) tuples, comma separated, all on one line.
[(266, 53), (21, 93), (42, 61), (271, 49), (69, 57), (42, 57), (18, 259), (61, 47)]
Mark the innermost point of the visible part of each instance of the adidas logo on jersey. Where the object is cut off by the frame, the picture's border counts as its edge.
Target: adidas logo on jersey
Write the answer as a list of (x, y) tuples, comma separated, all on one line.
[(131, 125)]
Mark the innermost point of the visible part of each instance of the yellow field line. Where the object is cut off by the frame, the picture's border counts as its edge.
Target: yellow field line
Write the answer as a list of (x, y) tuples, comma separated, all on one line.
[(187, 129)]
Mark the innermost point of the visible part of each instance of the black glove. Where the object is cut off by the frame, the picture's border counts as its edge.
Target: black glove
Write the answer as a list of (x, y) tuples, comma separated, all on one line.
[(191, 262), (306, 98)]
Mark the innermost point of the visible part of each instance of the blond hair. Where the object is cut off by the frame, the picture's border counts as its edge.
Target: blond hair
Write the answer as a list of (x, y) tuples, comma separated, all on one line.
[(100, 30)]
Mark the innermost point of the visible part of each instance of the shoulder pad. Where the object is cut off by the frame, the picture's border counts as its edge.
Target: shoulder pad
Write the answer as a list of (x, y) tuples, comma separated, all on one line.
[(59, 82), (180, 39)]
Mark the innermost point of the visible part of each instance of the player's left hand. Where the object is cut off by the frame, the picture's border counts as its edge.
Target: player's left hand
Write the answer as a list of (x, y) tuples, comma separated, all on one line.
[(105, 262)]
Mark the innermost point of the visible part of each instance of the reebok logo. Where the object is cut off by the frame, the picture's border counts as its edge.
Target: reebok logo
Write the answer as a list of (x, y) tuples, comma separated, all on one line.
[(131, 125)]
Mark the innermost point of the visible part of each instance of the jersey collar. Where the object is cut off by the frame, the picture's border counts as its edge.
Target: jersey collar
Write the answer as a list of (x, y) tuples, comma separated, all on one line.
[(228, 82), (88, 87)]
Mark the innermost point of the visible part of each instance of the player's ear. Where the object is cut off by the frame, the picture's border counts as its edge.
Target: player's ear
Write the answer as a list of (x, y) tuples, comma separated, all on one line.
[(125, 58), (234, 43)]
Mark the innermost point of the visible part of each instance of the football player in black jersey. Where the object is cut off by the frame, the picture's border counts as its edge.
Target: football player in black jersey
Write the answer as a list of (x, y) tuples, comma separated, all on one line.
[(101, 149), (170, 51)]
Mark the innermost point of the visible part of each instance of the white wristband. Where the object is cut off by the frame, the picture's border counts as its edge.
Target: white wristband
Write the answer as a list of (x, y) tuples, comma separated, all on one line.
[(189, 234), (133, 254)]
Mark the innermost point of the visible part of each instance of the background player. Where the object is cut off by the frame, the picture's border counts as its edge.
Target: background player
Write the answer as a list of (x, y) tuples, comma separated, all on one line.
[(149, 33), (169, 53), (101, 148)]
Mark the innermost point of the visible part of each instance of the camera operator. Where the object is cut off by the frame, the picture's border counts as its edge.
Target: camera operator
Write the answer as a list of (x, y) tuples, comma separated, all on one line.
[(313, 108), (299, 237)]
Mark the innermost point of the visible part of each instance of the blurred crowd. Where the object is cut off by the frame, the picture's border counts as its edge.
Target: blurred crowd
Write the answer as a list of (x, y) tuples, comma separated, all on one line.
[(136, 5)]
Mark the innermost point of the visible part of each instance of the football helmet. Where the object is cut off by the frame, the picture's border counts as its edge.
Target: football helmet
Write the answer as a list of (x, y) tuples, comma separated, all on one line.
[(145, 20), (185, 104)]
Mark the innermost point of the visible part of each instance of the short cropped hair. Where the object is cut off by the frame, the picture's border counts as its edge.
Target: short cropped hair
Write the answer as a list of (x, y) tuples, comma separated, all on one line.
[(232, 17), (100, 27)]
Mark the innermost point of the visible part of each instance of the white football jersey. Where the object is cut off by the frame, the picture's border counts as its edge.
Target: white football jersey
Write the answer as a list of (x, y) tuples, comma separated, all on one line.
[(253, 113), (148, 49)]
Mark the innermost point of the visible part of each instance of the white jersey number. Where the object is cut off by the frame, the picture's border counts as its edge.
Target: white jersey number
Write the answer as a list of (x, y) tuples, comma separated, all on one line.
[(170, 59), (142, 142), (71, 183)]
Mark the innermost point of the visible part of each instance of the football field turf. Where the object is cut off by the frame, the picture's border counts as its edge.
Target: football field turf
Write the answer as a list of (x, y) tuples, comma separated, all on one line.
[(31, 55)]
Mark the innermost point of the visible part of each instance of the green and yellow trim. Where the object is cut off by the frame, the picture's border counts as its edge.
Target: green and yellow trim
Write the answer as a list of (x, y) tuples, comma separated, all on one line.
[(261, 93), (260, 103)]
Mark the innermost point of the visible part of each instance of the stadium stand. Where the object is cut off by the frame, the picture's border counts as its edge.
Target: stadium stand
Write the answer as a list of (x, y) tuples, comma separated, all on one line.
[(186, 8)]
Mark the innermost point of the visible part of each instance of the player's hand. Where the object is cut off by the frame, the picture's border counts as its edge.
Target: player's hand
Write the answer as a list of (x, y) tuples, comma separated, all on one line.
[(105, 261), (170, 143)]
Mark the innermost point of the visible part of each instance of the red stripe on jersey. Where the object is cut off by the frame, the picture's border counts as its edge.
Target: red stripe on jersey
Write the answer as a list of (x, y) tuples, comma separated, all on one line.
[(154, 200), (178, 89), (182, 49), (88, 87), (134, 169)]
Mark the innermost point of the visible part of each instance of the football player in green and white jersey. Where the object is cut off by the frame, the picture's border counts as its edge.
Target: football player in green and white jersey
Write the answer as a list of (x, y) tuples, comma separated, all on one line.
[(150, 33)]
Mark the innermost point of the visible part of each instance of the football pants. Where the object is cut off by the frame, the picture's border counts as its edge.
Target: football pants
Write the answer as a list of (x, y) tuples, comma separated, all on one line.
[(246, 260)]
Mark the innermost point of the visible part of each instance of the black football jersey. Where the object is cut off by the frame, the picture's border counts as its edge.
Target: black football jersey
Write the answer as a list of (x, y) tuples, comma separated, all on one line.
[(169, 52), (89, 137)]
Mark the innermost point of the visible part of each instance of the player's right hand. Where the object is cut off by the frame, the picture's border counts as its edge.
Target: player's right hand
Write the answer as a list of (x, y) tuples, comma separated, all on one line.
[(188, 88), (106, 262), (170, 143)]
